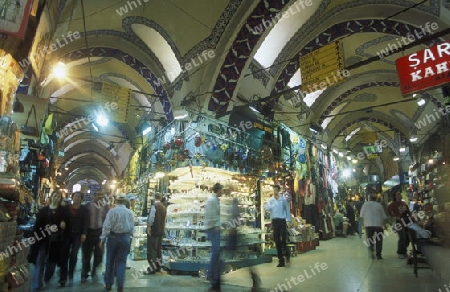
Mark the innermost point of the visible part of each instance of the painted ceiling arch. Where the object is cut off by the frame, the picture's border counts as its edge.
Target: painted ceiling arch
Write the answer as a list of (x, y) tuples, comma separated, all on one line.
[(372, 119), (84, 172), (85, 158), (338, 31), (361, 87), (132, 62), (324, 13), (117, 49), (240, 51)]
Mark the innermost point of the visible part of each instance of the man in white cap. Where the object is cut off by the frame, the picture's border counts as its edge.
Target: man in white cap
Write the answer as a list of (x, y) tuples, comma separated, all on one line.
[(118, 230)]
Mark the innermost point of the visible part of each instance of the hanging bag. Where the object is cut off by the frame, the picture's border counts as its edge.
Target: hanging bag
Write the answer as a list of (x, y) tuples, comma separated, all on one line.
[(28, 130)]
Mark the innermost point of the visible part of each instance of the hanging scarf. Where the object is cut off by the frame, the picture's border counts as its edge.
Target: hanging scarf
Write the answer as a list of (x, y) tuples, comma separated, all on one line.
[(309, 193)]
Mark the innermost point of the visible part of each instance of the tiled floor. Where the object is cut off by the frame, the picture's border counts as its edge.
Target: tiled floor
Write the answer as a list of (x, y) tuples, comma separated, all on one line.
[(343, 266)]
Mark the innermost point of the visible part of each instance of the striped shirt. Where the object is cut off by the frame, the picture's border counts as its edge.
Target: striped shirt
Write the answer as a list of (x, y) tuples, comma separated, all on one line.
[(119, 220)]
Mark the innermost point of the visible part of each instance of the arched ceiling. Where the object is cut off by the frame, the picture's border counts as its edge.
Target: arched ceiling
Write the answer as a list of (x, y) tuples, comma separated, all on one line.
[(159, 50)]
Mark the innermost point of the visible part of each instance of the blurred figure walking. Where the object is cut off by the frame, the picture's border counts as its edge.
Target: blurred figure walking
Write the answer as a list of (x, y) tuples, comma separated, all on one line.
[(374, 218), (212, 227), (75, 235), (97, 211)]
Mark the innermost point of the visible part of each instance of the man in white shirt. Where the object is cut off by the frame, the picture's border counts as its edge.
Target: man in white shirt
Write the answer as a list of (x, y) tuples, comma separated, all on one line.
[(280, 213), (374, 218), (212, 227), (118, 229)]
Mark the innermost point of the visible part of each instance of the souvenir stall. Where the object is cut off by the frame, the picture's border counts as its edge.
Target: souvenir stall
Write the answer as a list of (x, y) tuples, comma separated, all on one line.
[(190, 188), (429, 197), (15, 197), (292, 175), (182, 161)]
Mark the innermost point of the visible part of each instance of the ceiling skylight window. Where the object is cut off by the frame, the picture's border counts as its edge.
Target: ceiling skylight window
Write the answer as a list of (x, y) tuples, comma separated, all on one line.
[(161, 48), (349, 136), (282, 27), (310, 97)]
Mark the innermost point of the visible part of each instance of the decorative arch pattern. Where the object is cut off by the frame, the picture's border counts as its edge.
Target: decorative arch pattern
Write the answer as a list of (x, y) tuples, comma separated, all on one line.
[(90, 153), (367, 119), (321, 15), (130, 61), (240, 51), (335, 32), (355, 89)]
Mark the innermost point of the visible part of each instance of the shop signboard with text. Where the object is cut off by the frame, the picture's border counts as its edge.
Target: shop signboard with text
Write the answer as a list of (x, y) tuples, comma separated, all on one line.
[(424, 69)]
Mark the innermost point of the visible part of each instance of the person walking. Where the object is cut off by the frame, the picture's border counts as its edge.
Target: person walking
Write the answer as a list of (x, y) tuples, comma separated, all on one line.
[(280, 213), (373, 217), (74, 236), (350, 214), (156, 223), (97, 211), (233, 241), (117, 230), (399, 210), (212, 227), (48, 249)]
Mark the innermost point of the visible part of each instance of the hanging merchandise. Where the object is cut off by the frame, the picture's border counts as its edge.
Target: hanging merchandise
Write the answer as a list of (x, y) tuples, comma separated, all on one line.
[(178, 142), (224, 147), (198, 141), (50, 124), (43, 140), (30, 130)]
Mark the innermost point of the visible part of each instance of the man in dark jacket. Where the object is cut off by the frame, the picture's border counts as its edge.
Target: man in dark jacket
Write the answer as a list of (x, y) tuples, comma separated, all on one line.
[(156, 222), (351, 217)]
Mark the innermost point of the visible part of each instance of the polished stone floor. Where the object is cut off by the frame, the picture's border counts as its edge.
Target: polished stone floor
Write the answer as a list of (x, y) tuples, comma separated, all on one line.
[(339, 264)]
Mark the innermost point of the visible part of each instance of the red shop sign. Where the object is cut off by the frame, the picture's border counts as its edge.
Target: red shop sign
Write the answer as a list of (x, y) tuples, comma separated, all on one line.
[(424, 69)]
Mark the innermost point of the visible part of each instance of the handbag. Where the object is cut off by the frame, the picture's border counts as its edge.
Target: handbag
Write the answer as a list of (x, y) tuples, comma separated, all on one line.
[(29, 130)]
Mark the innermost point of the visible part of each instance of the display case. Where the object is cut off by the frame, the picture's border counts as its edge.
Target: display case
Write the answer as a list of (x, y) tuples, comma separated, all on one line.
[(186, 247)]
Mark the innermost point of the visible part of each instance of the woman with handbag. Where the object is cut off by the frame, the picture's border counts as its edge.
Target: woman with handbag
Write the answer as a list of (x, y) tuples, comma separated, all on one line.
[(48, 248), (75, 235)]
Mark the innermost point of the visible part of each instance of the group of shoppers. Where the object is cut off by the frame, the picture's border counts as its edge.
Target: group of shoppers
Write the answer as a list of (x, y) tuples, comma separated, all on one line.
[(375, 220), (79, 226)]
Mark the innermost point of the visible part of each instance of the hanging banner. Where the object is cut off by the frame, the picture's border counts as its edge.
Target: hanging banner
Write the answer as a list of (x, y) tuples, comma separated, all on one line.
[(41, 42), (14, 15), (319, 65), (368, 137), (121, 96), (424, 69)]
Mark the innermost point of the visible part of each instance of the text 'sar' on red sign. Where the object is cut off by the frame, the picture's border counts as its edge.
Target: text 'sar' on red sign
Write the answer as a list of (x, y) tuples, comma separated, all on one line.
[(424, 69)]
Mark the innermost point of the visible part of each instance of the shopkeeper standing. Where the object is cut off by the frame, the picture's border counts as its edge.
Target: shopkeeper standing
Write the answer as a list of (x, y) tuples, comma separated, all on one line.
[(279, 214), (156, 222)]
